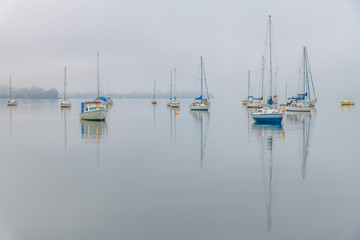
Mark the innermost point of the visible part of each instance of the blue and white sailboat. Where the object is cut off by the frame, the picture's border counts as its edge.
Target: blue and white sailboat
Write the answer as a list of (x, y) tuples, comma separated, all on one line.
[(269, 114), (201, 103), (303, 101), (95, 110)]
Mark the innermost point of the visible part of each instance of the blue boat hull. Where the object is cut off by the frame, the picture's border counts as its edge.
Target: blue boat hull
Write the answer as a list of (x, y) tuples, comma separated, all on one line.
[(272, 119)]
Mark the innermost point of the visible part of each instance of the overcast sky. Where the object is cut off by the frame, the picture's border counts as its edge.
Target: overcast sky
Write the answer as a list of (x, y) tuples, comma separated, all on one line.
[(142, 40)]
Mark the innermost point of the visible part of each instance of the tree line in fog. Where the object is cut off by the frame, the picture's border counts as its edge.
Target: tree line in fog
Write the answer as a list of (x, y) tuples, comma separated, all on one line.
[(138, 95), (33, 92), (40, 93)]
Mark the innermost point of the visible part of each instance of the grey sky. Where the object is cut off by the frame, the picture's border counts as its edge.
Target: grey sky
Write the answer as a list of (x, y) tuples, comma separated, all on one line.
[(141, 41)]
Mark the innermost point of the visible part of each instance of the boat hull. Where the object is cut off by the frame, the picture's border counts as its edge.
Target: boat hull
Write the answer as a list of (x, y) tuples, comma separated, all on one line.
[(267, 118), (298, 109), (257, 105), (175, 104), (12, 103), (245, 102), (96, 115), (153, 102), (347, 103), (199, 107), (65, 104)]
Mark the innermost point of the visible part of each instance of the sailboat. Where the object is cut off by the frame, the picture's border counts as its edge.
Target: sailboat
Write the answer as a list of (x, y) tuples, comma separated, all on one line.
[(95, 110), (303, 101), (174, 103), (11, 102), (200, 103), (65, 102), (268, 114), (154, 100)]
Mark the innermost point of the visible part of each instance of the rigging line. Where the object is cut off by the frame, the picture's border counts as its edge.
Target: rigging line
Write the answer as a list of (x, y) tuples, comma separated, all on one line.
[(207, 91), (299, 74), (198, 79), (312, 82), (306, 71)]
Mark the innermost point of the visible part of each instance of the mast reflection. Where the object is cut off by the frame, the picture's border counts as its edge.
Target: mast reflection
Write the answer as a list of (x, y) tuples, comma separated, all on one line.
[(65, 112), (200, 117), (10, 115), (268, 134), (174, 113), (305, 119), (154, 107)]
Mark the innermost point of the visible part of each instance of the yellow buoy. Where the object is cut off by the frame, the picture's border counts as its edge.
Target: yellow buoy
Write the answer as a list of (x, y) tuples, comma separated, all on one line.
[(177, 113)]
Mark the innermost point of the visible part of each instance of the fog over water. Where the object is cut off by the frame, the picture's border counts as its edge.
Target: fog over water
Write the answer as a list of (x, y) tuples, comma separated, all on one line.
[(141, 41)]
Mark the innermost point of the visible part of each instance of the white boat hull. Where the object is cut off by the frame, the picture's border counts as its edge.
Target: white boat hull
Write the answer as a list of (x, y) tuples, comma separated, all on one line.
[(257, 104), (65, 104), (96, 115), (175, 104), (202, 107), (12, 103), (298, 109)]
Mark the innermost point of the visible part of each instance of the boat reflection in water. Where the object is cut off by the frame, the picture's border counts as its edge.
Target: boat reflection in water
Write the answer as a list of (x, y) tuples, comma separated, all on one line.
[(65, 112), (11, 122), (93, 130), (303, 121), (154, 108), (174, 113), (270, 137), (202, 119)]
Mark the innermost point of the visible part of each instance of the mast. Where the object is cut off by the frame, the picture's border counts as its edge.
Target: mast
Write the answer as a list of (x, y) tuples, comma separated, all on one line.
[(248, 84), (304, 82), (201, 78), (154, 89), (98, 78), (65, 84), (275, 82), (10, 87), (270, 57), (170, 85), (174, 83), (262, 76), (307, 75), (285, 91)]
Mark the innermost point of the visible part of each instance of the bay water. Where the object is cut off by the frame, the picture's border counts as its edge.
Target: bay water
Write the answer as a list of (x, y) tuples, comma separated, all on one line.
[(151, 172)]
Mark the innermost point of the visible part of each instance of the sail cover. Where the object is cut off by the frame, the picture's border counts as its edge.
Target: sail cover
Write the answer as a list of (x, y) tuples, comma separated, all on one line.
[(102, 98), (301, 96)]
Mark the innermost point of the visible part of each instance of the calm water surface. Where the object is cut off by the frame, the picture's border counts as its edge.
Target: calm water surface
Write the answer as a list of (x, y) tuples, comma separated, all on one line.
[(149, 172)]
